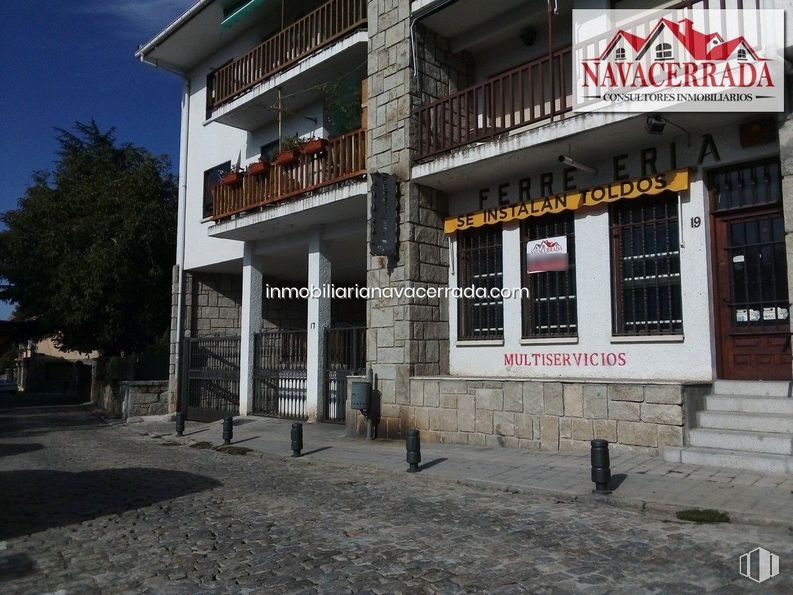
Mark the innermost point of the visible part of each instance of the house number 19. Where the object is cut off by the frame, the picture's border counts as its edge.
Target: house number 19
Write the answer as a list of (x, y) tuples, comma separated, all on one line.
[(696, 222)]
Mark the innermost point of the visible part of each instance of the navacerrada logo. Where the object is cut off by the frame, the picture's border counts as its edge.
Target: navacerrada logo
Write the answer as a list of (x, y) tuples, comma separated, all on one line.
[(678, 60)]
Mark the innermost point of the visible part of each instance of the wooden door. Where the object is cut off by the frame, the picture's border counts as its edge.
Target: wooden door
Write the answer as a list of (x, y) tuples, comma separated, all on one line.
[(752, 309)]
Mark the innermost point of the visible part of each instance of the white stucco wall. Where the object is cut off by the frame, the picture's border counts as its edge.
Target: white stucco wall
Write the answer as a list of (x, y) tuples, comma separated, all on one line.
[(689, 357), (213, 143)]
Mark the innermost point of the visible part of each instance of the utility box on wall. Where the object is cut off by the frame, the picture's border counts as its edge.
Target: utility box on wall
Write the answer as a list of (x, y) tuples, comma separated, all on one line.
[(360, 396), (384, 216)]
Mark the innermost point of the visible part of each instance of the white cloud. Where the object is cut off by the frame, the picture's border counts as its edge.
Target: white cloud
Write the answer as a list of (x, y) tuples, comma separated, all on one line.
[(138, 17)]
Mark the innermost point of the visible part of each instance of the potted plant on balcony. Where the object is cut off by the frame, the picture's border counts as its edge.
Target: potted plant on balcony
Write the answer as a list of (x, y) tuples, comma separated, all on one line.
[(314, 146), (233, 177), (259, 168), (290, 150)]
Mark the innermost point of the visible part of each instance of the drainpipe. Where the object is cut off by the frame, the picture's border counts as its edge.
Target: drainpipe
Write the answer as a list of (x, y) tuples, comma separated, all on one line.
[(180, 237), (182, 208)]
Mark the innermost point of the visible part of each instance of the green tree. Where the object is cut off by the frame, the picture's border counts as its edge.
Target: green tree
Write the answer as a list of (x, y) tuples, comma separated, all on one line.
[(89, 249)]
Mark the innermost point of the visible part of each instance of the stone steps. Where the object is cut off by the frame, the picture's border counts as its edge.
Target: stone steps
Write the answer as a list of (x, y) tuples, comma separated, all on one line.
[(742, 440), (749, 404), (743, 425), (730, 459), (752, 422)]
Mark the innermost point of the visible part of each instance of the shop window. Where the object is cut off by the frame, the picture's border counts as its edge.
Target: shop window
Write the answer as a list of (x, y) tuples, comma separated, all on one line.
[(479, 266), (212, 179), (619, 54), (550, 308), (663, 51), (645, 265), (746, 185)]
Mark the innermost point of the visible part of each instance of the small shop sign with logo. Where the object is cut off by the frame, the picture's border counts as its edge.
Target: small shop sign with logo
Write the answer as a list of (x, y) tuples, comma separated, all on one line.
[(686, 60), (548, 254)]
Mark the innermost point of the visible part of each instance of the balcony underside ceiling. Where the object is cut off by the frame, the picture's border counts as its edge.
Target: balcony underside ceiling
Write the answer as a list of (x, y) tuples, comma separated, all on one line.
[(325, 208), (197, 35), (300, 84), (473, 24)]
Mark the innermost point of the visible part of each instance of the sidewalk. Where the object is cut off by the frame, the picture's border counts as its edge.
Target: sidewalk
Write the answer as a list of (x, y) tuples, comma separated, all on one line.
[(641, 482)]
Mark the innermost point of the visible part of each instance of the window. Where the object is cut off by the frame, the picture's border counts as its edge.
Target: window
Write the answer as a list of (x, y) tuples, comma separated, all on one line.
[(619, 54), (479, 265), (550, 308), (742, 54), (645, 266), (746, 185), (269, 150), (212, 179), (663, 51)]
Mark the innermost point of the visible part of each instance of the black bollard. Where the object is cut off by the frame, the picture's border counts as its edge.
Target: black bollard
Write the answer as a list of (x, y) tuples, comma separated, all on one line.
[(228, 429), (413, 446), (601, 466), (297, 439), (179, 424)]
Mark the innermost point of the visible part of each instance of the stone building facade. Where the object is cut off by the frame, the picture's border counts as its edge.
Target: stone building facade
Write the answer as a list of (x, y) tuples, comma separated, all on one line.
[(468, 105)]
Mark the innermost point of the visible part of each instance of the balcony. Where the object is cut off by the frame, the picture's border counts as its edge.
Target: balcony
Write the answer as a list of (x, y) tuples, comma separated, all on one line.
[(521, 97), (320, 28), (344, 158)]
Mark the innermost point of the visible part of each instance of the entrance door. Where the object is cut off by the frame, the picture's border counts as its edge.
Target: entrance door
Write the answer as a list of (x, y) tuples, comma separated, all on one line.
[(752, 304)]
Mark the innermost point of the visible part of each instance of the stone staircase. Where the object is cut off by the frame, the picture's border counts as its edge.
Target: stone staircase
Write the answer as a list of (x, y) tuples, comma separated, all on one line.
[(743, 425)]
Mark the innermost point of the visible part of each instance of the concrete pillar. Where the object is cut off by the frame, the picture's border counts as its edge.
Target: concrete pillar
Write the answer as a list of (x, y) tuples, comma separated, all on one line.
[(250, 323), (319, 269), (786, 161)]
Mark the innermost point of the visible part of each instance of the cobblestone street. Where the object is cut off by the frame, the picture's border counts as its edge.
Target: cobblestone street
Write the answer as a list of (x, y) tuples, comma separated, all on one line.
[(88, 507)]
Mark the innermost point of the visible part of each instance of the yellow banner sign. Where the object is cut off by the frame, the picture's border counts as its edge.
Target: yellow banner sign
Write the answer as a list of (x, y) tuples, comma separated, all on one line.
[(671, 181)]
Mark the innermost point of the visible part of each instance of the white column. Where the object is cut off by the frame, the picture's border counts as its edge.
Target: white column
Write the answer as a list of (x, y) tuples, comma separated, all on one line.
[(250, 323), (512, 278), (319, 270)]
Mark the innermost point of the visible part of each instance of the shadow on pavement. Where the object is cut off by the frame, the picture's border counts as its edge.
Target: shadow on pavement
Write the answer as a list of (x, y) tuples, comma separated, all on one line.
[(12, 400), (27, 421), (9, 450), (35, 500), (14, 566), (616, 481), (432, 463)]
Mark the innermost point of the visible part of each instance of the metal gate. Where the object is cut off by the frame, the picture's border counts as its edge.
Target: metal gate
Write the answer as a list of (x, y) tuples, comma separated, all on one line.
[(279, 375), (345, 349), (212, 377)]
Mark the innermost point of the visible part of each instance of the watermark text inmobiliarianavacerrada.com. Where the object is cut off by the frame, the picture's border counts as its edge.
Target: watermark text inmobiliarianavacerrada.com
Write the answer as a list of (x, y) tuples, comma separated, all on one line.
[(331, 291)]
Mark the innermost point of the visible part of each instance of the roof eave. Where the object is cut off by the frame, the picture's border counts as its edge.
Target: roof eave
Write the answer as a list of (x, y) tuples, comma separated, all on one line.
[(149, 47)]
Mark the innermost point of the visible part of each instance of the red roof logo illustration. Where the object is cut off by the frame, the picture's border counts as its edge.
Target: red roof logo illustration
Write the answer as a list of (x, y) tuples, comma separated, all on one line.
[(547, 246), (698, 45)]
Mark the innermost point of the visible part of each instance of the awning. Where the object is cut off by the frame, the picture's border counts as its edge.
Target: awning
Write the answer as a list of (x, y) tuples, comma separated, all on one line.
[(671, 181), (238, 11)]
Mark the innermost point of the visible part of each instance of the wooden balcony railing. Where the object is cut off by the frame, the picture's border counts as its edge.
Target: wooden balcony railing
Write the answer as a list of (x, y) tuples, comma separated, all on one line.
[(331, 21), (524, 95), (343, 159)]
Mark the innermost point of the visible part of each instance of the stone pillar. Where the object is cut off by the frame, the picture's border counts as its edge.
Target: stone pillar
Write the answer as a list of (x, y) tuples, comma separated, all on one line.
[(319, 269), (251, 322), (786, 161), (406, 337)]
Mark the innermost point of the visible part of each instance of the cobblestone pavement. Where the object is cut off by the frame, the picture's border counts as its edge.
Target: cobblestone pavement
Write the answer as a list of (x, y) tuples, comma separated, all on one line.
[(86, 507)]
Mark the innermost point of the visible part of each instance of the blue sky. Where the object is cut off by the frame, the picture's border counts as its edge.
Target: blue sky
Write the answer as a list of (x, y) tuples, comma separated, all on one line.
[(73, 61)]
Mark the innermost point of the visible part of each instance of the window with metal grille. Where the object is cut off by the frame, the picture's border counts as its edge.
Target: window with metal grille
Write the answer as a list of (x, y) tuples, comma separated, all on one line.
[(645, 266), (479, 266), (550, 308), (746, 185)]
